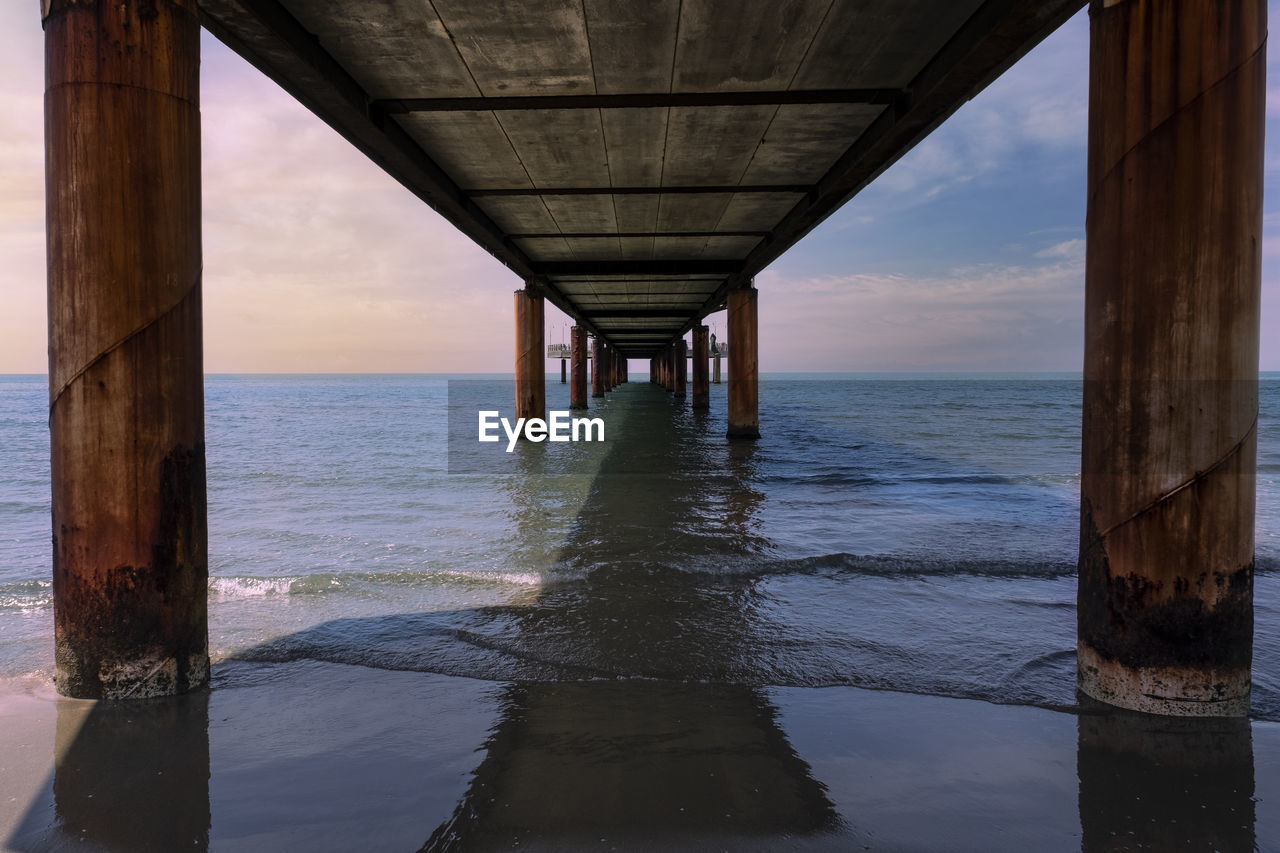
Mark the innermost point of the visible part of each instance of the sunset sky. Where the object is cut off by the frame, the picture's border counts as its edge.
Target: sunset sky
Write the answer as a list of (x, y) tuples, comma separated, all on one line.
[(966, 255)]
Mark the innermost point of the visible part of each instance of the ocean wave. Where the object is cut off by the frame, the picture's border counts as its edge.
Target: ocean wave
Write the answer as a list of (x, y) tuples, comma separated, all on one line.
[(884, 565), (323, 583), (26, 596)]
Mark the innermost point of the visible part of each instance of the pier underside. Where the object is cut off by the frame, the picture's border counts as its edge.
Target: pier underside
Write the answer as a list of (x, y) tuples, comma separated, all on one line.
[(637, 160)]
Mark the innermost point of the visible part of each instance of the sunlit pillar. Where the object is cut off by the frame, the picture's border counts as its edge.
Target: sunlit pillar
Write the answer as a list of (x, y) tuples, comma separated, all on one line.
[(126, 374), (1172, 282), (531, 373)]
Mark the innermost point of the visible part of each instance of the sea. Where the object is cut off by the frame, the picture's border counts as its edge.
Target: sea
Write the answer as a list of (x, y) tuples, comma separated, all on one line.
[(899, 533)]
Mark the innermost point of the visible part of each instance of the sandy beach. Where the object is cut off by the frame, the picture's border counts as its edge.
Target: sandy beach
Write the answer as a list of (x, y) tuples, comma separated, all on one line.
[(332, 757)]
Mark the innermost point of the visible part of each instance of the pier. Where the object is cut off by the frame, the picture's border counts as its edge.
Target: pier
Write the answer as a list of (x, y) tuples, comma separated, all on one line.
[(637, 165)]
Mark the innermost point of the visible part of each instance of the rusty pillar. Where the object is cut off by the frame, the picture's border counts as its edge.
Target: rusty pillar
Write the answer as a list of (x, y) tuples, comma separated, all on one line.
[(578, 355), (606, 369), (715, 373), (744, 394), (682, 369), (531, 371), (1172, 282), (672, 371), (126, 374), (701, 387), (563, 371), (597, 358)]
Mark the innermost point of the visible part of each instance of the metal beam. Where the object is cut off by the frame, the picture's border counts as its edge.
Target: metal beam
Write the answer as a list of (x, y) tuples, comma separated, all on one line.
[(637, 100), (541, 235), (691, 266), (793, 189), (635, 313)]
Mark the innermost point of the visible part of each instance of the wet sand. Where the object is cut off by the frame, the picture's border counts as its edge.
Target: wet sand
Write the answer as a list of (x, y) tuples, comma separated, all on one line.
[(323, 756)]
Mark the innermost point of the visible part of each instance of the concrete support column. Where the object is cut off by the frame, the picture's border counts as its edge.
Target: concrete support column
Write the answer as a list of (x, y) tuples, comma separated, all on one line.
[(126, 373), (744, 393), (682, 369), (531, 371), (578, 356), (1172, 282), (715, 374), (597, 359), (701, 349)]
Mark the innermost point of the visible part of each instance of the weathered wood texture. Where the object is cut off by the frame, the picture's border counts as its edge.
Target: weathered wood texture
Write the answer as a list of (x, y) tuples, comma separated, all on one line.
[(578, 357), (126, 400), (597, 374), (744, 393), (1176, 113), (531, 373), (701, 350)]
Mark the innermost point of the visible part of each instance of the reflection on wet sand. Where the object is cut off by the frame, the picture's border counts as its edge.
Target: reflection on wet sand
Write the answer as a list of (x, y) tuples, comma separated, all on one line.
[(128, 776), (663, 757), (650, 763), (1162, 783)]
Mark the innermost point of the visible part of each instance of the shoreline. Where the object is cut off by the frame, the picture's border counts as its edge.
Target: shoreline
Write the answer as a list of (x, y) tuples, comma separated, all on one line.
[(331, 756)]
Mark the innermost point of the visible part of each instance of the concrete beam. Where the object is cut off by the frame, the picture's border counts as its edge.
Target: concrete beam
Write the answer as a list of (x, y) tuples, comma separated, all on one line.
[(516, 192), (639, 100)]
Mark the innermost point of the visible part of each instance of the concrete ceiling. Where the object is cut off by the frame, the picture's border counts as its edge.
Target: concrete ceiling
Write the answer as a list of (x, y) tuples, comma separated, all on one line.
[(635, 159)]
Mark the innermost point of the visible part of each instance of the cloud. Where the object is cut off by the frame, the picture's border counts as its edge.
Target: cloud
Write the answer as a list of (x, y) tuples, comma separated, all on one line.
[(1040, 104), (986, 317), (1069, 249)]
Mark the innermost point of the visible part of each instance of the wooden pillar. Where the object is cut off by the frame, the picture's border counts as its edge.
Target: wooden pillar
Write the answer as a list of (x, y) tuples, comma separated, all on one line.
[(1172, 283), (563, 371), (715, 375), (578, 356), (597, 359), (701, 387), (126, 374), (672, 370), (682, 369), (531, 371), (744, 395)]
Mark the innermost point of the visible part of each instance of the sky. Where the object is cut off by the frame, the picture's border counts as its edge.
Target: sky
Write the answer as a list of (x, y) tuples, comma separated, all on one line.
[(968, 254)]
